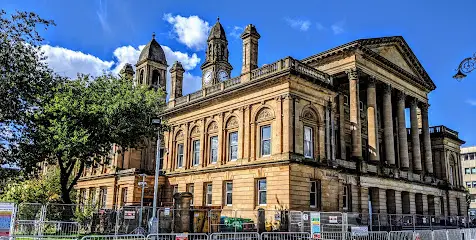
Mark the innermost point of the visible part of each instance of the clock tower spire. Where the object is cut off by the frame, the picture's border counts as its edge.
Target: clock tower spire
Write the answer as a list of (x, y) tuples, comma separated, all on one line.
[(216, 67)]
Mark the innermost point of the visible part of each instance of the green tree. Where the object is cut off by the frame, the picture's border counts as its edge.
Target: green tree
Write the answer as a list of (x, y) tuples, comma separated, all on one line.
[(24, 76), (77, 126)]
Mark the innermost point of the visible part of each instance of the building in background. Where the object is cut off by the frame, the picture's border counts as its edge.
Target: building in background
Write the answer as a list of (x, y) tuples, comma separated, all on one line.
[(468, 160), (325, 133)]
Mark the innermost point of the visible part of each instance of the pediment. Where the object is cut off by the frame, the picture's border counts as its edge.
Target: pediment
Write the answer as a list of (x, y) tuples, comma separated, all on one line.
[(393, 54)]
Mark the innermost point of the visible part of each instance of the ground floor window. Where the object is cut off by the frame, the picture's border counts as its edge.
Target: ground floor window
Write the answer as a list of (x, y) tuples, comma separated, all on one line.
[(261, 186)]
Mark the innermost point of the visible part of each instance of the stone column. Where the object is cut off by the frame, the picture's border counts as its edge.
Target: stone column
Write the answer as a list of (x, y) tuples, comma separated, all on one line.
[(388, 125), (426, 139), (398, 202), (412, 203), (416, 154), (355, 112), (341, 127), (402, 132), (372, 121)]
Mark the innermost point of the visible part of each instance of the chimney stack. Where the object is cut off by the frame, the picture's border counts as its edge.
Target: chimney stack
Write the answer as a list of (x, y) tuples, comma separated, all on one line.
[(250, 39)]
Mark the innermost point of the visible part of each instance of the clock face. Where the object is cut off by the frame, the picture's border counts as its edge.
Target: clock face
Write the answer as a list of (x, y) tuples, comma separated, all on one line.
[(207, 77), (222, 75)]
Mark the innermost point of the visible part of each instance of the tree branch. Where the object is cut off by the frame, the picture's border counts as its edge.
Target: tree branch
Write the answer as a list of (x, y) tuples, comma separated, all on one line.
[(78, 175)]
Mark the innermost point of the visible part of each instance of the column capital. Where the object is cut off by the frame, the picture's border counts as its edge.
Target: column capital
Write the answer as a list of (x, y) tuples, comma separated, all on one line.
[(372, 81), (387, 88), (414, 101), (401, 95), (424, 105), (353, 73)]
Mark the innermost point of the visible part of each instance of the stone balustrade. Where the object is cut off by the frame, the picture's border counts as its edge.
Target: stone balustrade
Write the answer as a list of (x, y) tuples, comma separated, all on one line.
[(280, 66)]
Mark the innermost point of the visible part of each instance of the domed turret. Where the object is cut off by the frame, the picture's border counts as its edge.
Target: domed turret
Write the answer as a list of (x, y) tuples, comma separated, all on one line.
[(153, 52)]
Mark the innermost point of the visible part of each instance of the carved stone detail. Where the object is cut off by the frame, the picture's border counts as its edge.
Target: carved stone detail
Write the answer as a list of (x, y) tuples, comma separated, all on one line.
[(401, 95), (387, 88), (232, 123), (195, 131), (308, 114), (212, 127), (264, 114), (352, 73), (179, 135)]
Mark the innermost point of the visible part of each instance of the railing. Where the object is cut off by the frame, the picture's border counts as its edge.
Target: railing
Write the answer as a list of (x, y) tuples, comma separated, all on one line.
[(285, 64), (443, 129)]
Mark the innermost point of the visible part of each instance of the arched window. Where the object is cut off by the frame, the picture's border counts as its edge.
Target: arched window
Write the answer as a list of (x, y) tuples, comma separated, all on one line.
[(179, 149), (232, 139), (212, 146), (195, 146), (310, 133), (155, 78), (452, 171), (264, 120)]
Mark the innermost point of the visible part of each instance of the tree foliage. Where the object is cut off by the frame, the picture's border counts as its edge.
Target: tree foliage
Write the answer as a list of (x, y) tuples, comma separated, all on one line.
[(77, 126), (24, 76)]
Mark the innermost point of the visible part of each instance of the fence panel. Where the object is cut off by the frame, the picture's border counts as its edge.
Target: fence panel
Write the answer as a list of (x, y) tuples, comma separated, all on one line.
[(59, 228), (173, 236), (333, 235), (367, 236), (466, 234), (439, 234), (249, 220), (400, 235), (235, 236), (423, 235), (454, 234), (285, 236), (115, 237), (30, 211)]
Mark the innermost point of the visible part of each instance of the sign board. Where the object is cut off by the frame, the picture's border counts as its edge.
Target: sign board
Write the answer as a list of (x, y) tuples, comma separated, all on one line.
[(130, 215), (305, 217), (332, 219), (424, 220), (277, 216), (166, 211), (7, 215), (316, 225), (359, 231), (181, 236)]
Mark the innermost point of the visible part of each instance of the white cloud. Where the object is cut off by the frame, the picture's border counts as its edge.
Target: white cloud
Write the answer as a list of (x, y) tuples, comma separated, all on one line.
[(69, 63), (236, 32), (191, 31), (102, 16), (302, 25), (471, 102), (338, 27)]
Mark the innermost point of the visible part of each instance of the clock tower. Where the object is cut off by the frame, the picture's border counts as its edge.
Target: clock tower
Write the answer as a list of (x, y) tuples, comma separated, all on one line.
[(216, 67)]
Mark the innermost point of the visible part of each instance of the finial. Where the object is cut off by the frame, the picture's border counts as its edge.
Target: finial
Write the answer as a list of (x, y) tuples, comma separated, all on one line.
[(218, 19), (153, 35)]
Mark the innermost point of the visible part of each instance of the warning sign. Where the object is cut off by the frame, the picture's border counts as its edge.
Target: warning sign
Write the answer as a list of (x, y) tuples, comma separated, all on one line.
[(181, 236), (316, 225), (6, 217)]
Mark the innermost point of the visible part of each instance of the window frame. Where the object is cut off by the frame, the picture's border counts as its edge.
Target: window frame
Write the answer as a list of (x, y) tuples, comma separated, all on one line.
[(230, 192), (346, 197), (473, 184), (346, 100), (208, 194), (124, 195), (191, 189), (473, 170), (259, 191), (262, 140), (467, 171), (468, 184), (311, 142), (211, 149), (317, 194), (180, 159), (195, 152), (102, 197), (231, 147)]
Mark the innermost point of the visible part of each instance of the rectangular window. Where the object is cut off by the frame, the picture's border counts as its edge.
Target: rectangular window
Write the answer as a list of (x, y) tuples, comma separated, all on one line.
[(468, 184), (346, 100), (471, 156), (467, 171), (315, 194), (361, 106), (451, 175), (474, 184), (196, 152), (228, 193), (346, 196), (233, 146), (466, 157), (208, 195), (308, 142), (92, 195), (265, 140), (102, 197), (174, 190), (473, 170), (214, 149), (261, 185), (82, 196), (180, 155), (191, 189), (458, 206), (124, 196)]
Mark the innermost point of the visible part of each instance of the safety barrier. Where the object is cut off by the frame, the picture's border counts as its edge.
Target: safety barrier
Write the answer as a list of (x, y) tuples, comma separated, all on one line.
[(235, 236), (174, 236), (115, 237), (285, 236)]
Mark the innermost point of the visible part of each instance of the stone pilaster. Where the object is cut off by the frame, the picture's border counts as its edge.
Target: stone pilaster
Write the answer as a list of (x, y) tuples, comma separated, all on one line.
[(398, 202), (388, 125), (412, 203), (415, 134), (341, 127), (424, 199), (426, 139), (372, 124), (355, 112), (402, 132)]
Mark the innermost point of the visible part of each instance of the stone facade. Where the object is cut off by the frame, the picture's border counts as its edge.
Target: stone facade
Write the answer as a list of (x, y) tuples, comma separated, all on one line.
[(468, 160), (324, 133)]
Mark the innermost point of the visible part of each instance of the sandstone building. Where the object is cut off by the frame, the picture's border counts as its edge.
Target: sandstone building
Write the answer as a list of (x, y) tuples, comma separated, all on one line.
[(325, 133), (468, 159)]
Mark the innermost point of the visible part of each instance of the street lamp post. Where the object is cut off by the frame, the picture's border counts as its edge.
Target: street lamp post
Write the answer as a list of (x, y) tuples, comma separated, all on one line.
[(142, 184), (153, 228), (466, 66)]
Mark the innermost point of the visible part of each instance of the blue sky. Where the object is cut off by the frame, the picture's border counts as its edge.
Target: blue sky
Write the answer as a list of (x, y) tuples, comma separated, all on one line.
[(92, 36)]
